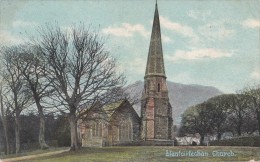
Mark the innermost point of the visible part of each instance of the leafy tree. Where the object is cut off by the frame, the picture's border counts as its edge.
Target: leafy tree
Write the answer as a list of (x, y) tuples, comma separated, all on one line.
[(229, 112), (196, 120), (253, 94), (250, 124), (218, 108), (188, 121), (237, 105), (204, 121)]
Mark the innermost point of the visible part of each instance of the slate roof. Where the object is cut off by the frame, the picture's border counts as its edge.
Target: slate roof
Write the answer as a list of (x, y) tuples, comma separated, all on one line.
[(111, 108)]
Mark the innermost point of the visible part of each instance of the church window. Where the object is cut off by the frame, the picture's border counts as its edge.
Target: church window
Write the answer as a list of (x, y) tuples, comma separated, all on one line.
[(93, 130), (88, 133), (125, 131), (97, 129), (100, 130), (159, 87)]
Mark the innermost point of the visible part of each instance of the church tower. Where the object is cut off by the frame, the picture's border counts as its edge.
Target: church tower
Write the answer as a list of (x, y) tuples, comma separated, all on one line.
[(156, 110)]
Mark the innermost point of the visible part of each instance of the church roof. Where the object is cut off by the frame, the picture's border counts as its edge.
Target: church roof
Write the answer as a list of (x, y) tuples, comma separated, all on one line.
[(124, 105), (155, 64), (111, 108), (105, 111)]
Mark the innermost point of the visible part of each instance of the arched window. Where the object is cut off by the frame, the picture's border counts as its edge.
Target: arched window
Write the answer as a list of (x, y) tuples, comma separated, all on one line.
[(100, 130), (125, 131), (159, 87), (97, 129), (93, 129)]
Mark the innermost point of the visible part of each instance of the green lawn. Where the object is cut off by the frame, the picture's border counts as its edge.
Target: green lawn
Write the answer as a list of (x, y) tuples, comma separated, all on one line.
[(32, 152), (153, 153)]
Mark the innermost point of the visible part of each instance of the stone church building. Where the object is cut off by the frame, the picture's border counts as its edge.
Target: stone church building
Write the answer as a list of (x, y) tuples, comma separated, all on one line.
[(119, 124), (113, 124)]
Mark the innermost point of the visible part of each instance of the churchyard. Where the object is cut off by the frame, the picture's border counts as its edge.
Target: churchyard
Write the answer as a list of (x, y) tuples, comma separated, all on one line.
[(144, 153)]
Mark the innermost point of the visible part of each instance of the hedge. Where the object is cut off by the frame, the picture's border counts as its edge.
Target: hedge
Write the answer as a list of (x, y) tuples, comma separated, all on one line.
[(240, 141)]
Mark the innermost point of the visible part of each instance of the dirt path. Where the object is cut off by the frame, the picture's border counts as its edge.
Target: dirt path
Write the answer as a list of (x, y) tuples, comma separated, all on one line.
[(33, 156)]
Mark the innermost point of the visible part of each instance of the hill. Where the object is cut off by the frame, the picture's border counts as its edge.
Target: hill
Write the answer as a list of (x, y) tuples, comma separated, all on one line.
[(181, 96)]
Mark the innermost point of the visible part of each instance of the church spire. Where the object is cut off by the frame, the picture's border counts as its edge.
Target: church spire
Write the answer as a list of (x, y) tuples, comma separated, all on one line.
[(156, 110), (155, 64)]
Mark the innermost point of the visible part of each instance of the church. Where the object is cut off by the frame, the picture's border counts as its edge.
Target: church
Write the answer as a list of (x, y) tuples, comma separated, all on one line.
[(119, 124)]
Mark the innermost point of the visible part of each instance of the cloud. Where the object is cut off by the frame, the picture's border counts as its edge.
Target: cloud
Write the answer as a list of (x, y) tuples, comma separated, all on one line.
[(181, 29), (9, 10), (193, 14), (6, 38), (215, 30), (251, 23), (255, 75), (126, 30), (166, 39), (198, 54), (178, 28), (196, 14), (135, 66), (23, 24)]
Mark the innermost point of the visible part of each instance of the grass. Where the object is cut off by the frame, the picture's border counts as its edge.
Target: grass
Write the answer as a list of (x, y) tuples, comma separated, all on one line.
[(152, 153), (32, 152)]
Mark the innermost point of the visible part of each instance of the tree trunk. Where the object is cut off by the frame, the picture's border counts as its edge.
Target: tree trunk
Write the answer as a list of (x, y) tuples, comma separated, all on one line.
[(42, 132), (219, 136), (42, 142), (239, 124), (7, 149), (17, 133), (201, 139), (258, 120), (239, 128), (73, 132)]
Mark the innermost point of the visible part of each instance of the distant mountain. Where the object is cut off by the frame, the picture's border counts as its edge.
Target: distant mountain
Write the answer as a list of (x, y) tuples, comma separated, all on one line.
[(181, 96)]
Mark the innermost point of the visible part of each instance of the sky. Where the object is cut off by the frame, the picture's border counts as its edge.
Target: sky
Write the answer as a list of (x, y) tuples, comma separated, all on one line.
[(206, 42)]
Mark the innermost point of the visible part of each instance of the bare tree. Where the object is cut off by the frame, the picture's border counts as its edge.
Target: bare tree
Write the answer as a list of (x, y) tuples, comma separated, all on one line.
[(118, 93), (17, 95), (33, 69), (80, 70)]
